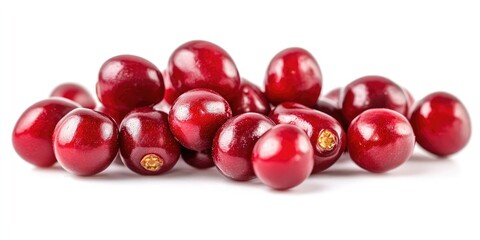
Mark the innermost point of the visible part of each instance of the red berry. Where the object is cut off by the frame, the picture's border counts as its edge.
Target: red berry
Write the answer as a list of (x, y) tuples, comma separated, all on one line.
[(327, 136), (333, 95), (85, 142), (293, 76), (372, 92), (147, 146), (249, 99), (380, 140), (202, 64), (233, 144), (115, 114), (441, 124), (171, 93), (126, 82), (32, 135), (196, 116), (328, 107), (75, 93), (200, 160), (283, 157)]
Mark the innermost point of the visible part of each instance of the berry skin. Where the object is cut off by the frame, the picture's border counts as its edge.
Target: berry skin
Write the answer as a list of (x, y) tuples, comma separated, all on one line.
[(76, 93), (328, 107), (283, 157), (196, 116), (327, 137), (372, 92), (32, 134), (202, 64), (250, 99), (293, 76), (126, 82), (380, 140), (85, 142), (233, 144), (441, 123), (199, 160), (116, 115), (171, 94), (333, 96), (147, 146)]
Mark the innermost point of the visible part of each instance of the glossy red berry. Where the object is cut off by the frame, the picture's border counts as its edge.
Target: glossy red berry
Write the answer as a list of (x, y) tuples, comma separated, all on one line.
[(32, 135), (202, 64), (283, 157), (196, 116), (249, 99), (85, 142), (380, 140), (233, 144), (293, 76), (333, 95), (327, 136), (200, 160), (126, 82), (76, 93), (372, 92), (147, 146), (441, 124), (115, 114)]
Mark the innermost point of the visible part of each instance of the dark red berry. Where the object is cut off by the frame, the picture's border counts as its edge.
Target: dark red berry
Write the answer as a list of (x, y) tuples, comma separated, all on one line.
[(76, 93), (202, 64), (283, 157), (233, 144), (380, 140), (200, 160), (85, 142), (333, 96), (327, 136), (115, 114), (441, 124), (147, 146), (32, 135), (126, 82), (372, 92), (293, 76), (249, 99), (196, 116)]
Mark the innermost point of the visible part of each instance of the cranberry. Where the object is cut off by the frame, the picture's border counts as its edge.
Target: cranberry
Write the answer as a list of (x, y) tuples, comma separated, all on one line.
[(200, 160), (372, 92), (250, 99), (196, 116), (85, 142), (293, 76), (283, 158), (333, 95), (327, 136), (32, 135), (171, 93), (441, 124), (233, 144), (330, 108), (147, 146), (202, 64), (75, 93), (126, 82), (380, 140), (115, 114)]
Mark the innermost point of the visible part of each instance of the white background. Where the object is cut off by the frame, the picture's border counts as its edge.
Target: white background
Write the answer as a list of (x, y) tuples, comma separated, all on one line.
[(424, 46)]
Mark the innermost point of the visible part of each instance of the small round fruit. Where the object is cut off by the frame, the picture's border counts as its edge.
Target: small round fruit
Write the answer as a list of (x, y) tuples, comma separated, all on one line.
[(85, 142), (233, 144), (196, 116), (126, 82), (202, 64), (372, 92), (380, 140), (249, 99), (441, 124), (200, 160), (147, 146), (327, 137), (283, 157), (32, 135), (76, 93), (293, 76)]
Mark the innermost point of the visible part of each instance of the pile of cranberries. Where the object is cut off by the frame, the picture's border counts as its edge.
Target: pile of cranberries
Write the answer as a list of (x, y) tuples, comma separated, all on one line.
[(200, 108)]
